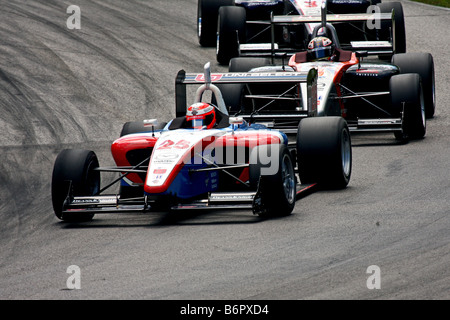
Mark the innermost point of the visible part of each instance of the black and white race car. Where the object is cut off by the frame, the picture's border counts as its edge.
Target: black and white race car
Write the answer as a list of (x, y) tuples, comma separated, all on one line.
[(246, 27), (371, 94)]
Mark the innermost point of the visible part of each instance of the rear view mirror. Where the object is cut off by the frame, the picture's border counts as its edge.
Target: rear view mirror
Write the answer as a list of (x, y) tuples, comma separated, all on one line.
[(361, 54), (236, 120), (151, 123)]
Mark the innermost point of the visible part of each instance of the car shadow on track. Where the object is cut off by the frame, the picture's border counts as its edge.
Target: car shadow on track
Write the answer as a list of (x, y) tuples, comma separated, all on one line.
[(163, 219), (375, 140), (204, 217)]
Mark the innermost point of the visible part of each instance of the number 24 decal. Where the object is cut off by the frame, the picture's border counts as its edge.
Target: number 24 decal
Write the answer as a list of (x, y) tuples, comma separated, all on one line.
[(169, 144)]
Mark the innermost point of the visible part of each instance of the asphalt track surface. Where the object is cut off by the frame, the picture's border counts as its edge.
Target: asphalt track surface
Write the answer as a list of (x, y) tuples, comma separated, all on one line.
[(62, 88)]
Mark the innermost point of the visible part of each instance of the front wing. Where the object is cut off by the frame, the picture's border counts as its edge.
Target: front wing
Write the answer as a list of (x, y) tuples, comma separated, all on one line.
[(216, 200)]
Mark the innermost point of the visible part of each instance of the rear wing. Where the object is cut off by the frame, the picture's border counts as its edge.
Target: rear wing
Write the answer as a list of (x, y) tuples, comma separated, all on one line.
[(308, 81), (348, 17), (317, 22)]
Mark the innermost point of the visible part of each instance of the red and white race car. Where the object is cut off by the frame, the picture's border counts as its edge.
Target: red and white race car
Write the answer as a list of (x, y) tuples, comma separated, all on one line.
[(222, 163)]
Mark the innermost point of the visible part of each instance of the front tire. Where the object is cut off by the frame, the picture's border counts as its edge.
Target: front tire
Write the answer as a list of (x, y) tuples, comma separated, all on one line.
[(74, 169), (407, 96), (232, 93), (230, 32), (271, 170), (207, 12), (245, 64)]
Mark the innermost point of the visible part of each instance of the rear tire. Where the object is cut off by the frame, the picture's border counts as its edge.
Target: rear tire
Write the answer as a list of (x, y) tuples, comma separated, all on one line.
[(231, 31), (324, 152), (74, 168), (422, 64)]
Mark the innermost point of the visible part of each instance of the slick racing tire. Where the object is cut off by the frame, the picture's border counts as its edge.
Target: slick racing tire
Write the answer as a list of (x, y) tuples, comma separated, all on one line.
[(407, 96), (230, 32), (74, 169), (245, 64), (232, 93), (324, 153), (399, 19), (422, 64), (207, 12), (271, 171)]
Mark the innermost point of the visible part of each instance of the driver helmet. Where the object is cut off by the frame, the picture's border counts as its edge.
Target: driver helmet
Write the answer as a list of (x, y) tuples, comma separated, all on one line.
[(320, 48), (201, 114)]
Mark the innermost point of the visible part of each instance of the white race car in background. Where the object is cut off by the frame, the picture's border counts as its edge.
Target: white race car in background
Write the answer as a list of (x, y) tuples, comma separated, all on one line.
[(239, 27)]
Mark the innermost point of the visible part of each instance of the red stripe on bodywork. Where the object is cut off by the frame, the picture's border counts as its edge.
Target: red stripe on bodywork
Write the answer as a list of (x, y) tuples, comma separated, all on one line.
[(121, 146)]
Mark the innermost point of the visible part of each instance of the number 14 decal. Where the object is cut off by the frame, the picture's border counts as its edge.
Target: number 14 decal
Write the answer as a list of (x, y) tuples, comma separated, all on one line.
[(169, 144)]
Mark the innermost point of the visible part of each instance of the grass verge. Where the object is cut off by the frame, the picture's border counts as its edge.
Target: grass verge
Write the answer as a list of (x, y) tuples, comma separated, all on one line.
[(442, 3)]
